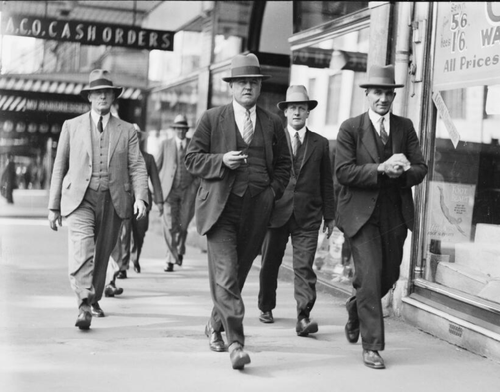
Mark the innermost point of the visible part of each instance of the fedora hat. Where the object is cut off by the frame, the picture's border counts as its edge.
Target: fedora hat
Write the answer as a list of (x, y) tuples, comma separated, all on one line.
[(100, 79), (297, 94), (245, 66), (381, 76), (180, 121)]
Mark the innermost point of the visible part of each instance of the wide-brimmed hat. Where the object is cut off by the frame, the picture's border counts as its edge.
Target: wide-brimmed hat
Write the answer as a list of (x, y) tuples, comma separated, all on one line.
[(297, 94), (381, 76), (180, 121), (245, 66), (99, 79)]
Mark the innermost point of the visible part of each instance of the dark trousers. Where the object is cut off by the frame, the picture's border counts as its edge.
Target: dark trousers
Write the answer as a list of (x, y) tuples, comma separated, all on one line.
[(377, 251), (139, 229), (233, 244), (93, 231), (304, 243)]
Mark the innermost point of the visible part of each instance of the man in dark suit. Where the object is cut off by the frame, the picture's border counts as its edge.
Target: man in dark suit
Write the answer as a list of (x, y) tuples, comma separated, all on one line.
[(378, 160), (179, 190), (240, 152), (308, 199), (133, 231), (98, 171)]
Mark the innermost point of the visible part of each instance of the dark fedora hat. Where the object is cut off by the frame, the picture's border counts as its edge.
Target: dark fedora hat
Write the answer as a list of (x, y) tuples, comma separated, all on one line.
[(180, 121), (297, 94), (381, 76), (245, 66), (100, 79)]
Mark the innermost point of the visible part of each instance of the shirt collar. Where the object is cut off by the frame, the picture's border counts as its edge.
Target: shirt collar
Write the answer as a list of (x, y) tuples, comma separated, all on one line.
[(375, 118), (95, 118), (302, 132), (241, 111)]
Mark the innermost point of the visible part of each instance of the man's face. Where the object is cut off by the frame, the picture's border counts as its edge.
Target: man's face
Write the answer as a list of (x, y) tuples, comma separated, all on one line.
[(101, 100), (246, 91), (297, 114), (181, 132), (380, 99)]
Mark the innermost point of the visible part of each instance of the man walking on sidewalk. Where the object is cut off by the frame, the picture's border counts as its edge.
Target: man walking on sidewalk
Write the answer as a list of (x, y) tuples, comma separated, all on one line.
[(98, 170), (308, 199), (239, 150)]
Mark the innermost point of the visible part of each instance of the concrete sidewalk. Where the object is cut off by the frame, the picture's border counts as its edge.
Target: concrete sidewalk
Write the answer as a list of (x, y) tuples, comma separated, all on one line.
[(152, 338)]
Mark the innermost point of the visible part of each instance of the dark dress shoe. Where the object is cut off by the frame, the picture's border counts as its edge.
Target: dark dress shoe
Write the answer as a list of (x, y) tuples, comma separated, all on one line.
[(84, 317), (352, 331), (180, 258), (169, 268), (239, 358), (122, 275), (306, 326), (215, 341), (111, 290), (373, 360), (137, 267), (267, 317), (96, 310)]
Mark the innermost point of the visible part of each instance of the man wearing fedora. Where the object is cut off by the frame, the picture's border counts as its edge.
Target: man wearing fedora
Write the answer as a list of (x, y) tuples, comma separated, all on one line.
[(179, 190), (307, 201), (98, 171), (378, 160), (240, 152)]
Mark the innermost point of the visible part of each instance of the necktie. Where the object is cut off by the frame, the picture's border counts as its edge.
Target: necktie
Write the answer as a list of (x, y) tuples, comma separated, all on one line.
[(99, 125), (296, 144), (248, 128), (383, 134)]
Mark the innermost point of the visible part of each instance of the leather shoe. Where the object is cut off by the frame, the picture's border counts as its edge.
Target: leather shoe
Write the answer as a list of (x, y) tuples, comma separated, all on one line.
[(266, 317), (239, 358), (373, 359), (352, 326), (180, 258), (169, 268), (111, 290), (215, 341), (96, 310), (122, 275), (84, 317), (137, 267), (306, 326)]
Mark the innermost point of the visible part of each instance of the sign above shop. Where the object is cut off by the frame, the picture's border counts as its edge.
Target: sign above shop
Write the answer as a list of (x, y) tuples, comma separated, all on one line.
[(87, 33)]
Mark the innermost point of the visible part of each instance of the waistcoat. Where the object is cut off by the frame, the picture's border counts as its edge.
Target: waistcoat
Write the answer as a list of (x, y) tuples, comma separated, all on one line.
[(100, 150)]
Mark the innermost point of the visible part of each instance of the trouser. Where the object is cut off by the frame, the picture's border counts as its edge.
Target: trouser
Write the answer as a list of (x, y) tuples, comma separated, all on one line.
[(93, 231), (177, 214), (232, 244), (304, 243), (377, 251)]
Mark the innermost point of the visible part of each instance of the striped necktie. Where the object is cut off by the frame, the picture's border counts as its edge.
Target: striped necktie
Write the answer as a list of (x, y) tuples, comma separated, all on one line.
[(248, 128), (383, 134), (296, 144)]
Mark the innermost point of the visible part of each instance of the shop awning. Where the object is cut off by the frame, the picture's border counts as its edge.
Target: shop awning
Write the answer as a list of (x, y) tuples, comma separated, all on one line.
[(42, 83)]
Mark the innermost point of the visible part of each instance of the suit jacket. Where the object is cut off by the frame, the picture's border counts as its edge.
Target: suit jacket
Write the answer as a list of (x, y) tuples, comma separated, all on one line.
[(214, 136), (309, 193), (166, 161), (73, 166), (356, 163), (152, 170)]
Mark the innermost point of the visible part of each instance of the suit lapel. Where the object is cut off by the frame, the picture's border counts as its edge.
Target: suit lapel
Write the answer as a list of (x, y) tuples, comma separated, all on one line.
[(290, 150), (368, 138), (310, 145), (396, 137), (114, 131), (229, 128), (85, 129)]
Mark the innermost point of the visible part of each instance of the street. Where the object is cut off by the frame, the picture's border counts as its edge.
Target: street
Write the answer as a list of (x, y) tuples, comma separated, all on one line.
[(152, 338)]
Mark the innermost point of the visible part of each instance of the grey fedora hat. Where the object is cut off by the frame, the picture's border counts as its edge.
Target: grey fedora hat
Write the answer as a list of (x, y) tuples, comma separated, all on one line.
[(297, 94), (381, 76), (245, 66)]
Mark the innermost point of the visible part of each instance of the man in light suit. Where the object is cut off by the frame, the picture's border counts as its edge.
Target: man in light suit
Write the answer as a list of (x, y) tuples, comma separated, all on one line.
[(179, 190), (240, 152), (378, 160), (308, 199), (98, 170)]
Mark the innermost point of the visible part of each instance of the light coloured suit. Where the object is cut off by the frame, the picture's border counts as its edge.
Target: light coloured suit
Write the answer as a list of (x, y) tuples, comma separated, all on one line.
[(70, 194), (179, 204)]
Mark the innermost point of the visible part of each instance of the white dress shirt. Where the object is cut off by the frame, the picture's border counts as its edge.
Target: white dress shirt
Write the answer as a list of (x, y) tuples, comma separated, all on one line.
[(240, 116), (375, 119)]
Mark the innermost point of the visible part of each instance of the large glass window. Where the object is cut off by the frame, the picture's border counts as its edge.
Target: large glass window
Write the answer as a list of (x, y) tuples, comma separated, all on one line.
[(462, 214)]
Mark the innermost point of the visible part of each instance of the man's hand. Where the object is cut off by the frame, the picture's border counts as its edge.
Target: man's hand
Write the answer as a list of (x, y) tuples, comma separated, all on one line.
[(395, 166), (234, 159), (139, 209), (160, 208), (55, 218), (329, 225)]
